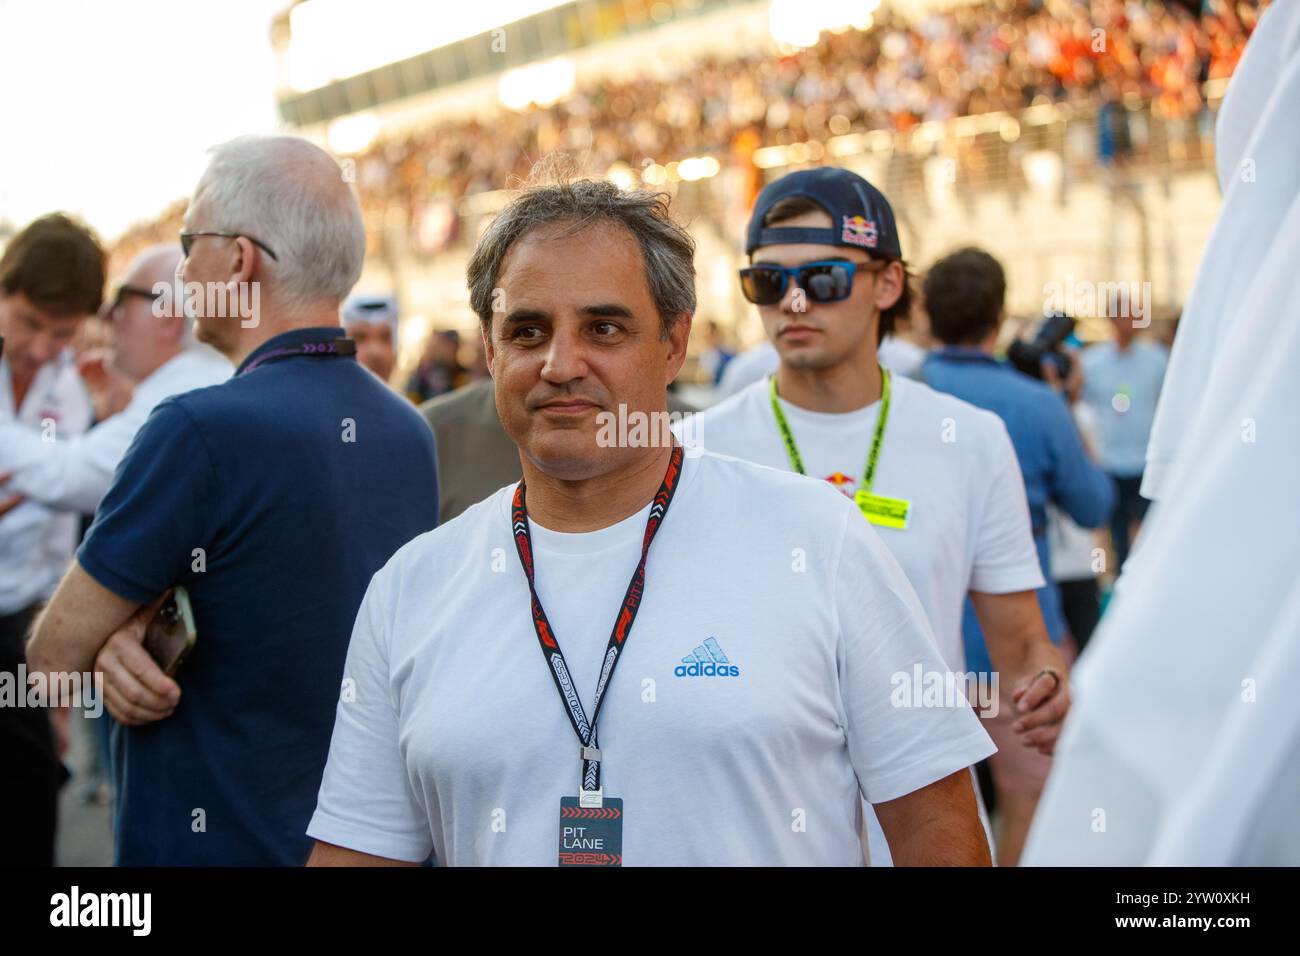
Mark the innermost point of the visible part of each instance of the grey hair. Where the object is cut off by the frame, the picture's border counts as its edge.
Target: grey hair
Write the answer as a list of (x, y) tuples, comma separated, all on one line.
[(667, 249), (291, 195)]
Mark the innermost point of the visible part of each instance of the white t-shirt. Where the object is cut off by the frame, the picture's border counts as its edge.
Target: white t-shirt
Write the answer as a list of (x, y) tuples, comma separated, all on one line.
[(1070, 546), (455, 739), (36, 544), (900, 356), (968, 524), (74, 474), (1199, 765)]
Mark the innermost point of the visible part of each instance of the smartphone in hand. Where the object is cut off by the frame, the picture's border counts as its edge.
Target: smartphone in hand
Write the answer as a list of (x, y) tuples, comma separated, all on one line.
[(171, 636)]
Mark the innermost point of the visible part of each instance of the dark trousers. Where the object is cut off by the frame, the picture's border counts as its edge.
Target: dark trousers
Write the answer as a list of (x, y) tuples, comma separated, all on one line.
[(1081, 605), (1130, 507), (30, 770)]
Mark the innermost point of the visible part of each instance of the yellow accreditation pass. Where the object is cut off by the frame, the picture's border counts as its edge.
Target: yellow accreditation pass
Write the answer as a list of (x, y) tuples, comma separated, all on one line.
[(883, 511)]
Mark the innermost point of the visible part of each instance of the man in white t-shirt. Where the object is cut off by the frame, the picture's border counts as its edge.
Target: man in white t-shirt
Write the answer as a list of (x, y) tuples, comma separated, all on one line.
[(51, 281), (765, 626), (936, 476)]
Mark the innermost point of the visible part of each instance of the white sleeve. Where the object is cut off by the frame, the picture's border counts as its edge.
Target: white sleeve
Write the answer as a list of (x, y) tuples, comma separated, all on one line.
[(897, 743), (1006, 559), (69, 474), (366, 802)]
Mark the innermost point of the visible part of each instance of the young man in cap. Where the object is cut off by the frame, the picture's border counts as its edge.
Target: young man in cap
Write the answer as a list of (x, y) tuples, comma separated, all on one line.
[(761, 620), (937, 478)]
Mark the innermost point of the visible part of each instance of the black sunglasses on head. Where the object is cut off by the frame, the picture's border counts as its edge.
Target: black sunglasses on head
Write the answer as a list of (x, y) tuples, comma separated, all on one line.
[(826, 281), (188, 237)]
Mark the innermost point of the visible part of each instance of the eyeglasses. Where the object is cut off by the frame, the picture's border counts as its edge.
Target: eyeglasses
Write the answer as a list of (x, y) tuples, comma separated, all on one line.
[(829, 281), (122, 292), (188, 237)]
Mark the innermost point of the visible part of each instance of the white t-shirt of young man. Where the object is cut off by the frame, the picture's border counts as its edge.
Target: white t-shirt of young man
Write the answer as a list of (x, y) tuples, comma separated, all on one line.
[(968, 524), (450, 735), (36, 543)]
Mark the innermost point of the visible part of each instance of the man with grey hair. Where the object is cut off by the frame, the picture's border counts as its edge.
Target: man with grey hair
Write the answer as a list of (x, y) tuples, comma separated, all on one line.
[(153, 348), (757, 704), (272, 499)]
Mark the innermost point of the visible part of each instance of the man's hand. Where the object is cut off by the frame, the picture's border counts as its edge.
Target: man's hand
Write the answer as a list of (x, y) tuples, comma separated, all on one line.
[(1072, 386), (110, 392), (1023, 655), (8, 502), (1042, 700), (136, 691)]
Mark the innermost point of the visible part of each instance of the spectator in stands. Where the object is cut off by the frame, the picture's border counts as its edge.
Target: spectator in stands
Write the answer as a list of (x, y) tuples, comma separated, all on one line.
[(972, 58)]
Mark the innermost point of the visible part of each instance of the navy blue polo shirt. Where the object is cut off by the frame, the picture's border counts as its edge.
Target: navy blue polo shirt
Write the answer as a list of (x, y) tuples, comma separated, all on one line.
[(298, 480)]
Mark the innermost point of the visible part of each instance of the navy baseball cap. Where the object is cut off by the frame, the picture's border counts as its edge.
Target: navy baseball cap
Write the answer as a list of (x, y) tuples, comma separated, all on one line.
[(859, 211)]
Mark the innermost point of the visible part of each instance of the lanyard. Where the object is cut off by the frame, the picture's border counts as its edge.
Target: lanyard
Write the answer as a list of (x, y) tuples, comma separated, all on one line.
[(876, 439), (622, 624), (324, 348)]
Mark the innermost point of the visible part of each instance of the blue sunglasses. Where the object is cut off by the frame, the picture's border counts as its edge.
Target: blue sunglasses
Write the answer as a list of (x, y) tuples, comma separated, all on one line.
[(825, 281)]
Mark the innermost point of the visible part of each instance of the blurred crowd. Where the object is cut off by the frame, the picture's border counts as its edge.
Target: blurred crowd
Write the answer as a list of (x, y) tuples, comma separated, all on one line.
[(970, 59), (967, 60)]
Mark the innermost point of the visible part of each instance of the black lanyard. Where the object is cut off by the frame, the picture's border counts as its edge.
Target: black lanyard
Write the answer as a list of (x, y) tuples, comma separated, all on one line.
[(336, 347), (585, 730)]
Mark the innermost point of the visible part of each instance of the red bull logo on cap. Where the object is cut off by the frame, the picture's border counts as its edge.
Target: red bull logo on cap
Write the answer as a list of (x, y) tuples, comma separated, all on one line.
[(859, 232)]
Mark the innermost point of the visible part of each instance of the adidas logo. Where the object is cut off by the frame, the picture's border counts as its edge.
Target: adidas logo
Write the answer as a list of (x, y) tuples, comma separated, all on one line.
[(707, 660)]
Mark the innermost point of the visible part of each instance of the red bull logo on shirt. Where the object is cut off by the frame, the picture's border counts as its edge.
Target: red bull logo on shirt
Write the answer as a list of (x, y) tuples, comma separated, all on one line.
[(842, 483), (859, 231)]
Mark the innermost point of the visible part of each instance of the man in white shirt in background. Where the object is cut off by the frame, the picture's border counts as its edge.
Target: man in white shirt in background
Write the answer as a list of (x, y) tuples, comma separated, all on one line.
[(761, 618), (1074, 556), (152, 346), (941, 482), (51, 281)]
